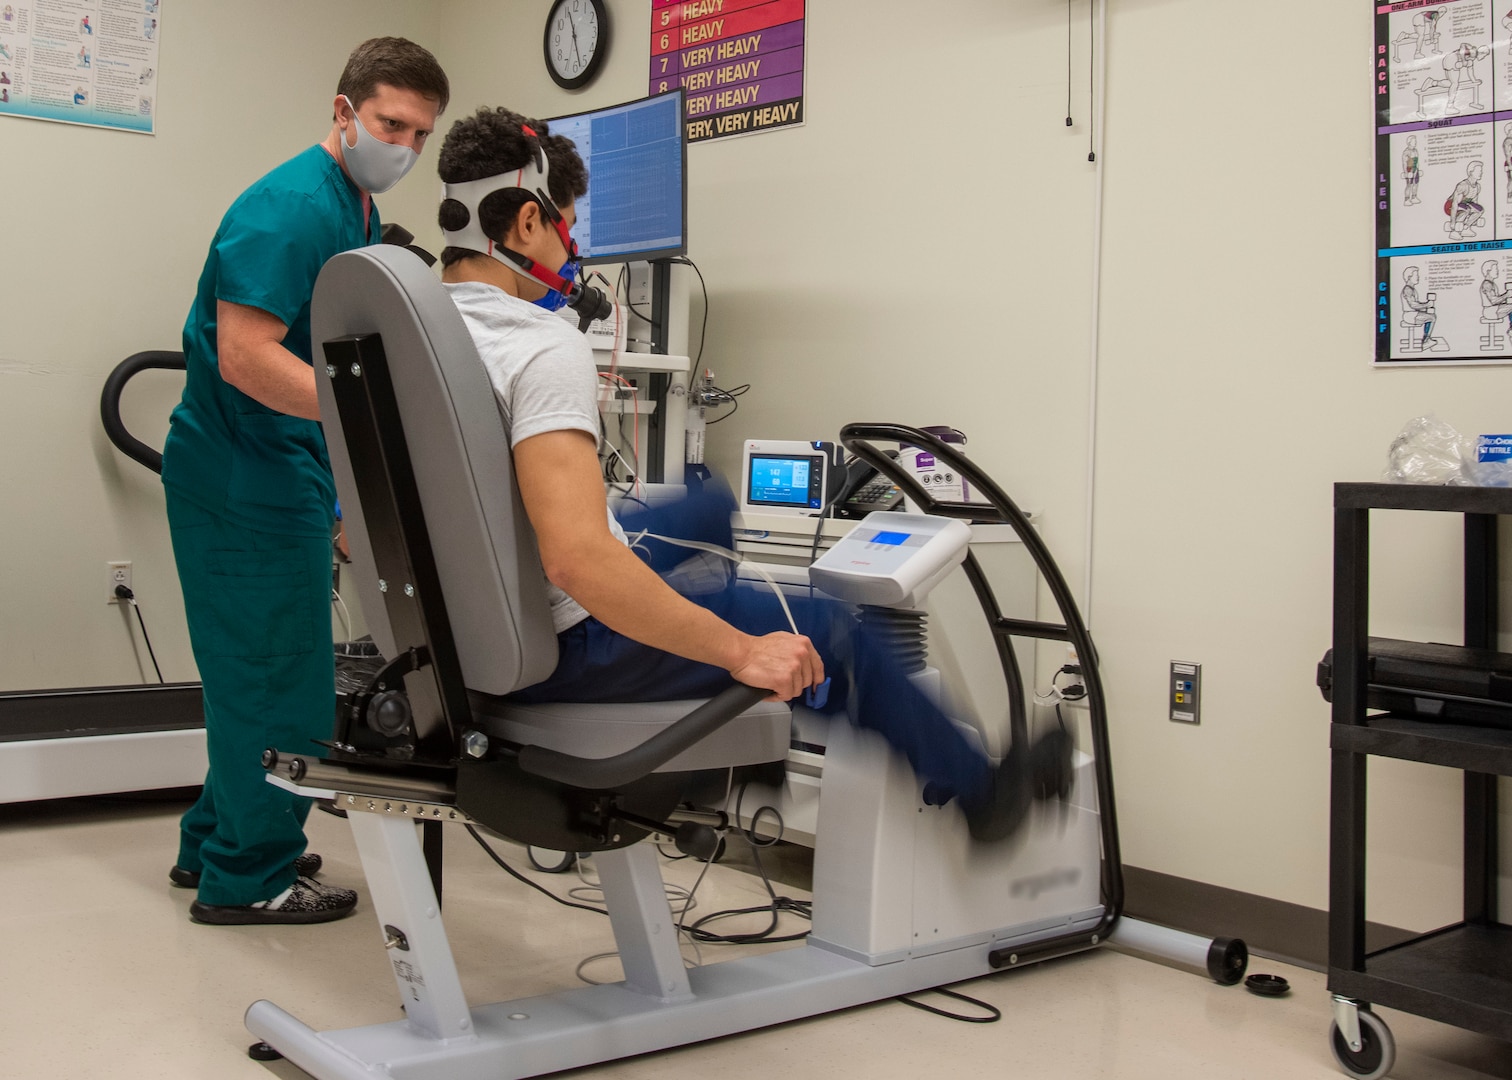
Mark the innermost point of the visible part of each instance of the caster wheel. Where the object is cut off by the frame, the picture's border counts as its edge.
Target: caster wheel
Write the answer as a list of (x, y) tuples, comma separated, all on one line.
[(261, 1051), (1377, 1053), (551, 862)]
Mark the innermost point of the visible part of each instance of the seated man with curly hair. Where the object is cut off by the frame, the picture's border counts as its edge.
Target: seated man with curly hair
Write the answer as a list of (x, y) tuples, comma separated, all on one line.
[(624, 633)]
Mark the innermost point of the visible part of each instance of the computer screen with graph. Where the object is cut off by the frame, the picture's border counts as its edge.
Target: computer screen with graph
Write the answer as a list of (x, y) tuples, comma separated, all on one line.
[(636, 206)]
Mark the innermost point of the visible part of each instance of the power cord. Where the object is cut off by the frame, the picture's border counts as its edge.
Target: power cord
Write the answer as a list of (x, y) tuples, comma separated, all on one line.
[(994, 1014), (512, 872), (674, 893), (622, 280), (819, 528), (123, 593), (778, 904), (1073, 691), (632, 483), (716, 396), (703, 333), (591, 891)]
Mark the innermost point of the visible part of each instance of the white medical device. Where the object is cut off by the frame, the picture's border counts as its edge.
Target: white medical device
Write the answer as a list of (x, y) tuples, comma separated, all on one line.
[(782, 477), (903, 897), (892, 559)]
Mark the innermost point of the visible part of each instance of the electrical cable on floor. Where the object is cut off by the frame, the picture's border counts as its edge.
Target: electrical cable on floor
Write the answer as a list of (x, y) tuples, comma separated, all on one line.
[(674, 892), (994, 1014), (778, 904), (587, 890), (695, 933), (123, 593), (682, 916), (512, 872)]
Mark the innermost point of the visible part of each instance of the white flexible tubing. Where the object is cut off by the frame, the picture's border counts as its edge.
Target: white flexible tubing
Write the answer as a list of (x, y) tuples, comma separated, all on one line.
[(724, 553), (1099, 108), (342, 612)]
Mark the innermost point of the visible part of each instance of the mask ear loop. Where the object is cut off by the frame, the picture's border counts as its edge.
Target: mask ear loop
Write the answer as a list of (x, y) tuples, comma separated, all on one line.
[(356, 135)]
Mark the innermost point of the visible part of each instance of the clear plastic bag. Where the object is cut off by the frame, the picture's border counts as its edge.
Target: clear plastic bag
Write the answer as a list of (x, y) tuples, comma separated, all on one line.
[(1429, 451)]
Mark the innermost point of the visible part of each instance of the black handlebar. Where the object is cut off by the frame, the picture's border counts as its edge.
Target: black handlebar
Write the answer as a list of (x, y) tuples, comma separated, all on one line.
[(110, 403), (603, 774), (859, 439)]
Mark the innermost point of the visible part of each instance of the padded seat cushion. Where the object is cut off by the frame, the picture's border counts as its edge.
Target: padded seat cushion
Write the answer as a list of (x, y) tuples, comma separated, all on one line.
[(760, 734)]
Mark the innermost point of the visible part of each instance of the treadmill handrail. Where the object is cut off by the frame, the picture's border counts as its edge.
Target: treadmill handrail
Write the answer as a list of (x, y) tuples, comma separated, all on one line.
[(110, 403)]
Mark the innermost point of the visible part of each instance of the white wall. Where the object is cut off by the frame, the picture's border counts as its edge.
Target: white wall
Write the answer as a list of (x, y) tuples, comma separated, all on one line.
[(1235, 385), (842, 259), (102, 236), (1237, 389)]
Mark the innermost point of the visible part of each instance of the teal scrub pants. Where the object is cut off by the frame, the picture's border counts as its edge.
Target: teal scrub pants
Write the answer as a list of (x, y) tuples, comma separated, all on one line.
[(259, 612)]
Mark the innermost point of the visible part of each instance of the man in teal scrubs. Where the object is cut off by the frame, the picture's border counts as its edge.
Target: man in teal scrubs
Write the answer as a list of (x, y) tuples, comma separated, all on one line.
[(249, 490)]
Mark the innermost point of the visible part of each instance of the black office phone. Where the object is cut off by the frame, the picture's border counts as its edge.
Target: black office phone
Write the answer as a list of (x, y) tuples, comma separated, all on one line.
[(866, 491)]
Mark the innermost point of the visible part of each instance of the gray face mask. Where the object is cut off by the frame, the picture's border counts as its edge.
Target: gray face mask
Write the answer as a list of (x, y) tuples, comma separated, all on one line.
[(374, 165)]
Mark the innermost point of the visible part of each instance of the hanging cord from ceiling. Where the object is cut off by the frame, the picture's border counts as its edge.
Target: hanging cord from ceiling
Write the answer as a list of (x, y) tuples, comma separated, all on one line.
[(1092, 84), (1069, 122), (1091, 77)]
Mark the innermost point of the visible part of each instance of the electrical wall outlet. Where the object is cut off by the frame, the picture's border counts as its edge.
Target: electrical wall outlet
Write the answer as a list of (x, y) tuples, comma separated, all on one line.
[(119, 573), (1185, 692)]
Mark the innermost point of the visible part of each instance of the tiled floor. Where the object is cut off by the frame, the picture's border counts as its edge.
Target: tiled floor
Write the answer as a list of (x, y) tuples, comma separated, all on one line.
[(104, 976)]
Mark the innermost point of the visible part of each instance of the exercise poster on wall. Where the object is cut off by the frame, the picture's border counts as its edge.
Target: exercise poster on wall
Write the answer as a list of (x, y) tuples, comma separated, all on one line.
[(80, 61), (740, 63), (1444, 182)]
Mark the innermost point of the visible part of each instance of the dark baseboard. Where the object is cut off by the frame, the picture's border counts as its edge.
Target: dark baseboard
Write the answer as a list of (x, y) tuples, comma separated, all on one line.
[(99, 710), (1274, 928)]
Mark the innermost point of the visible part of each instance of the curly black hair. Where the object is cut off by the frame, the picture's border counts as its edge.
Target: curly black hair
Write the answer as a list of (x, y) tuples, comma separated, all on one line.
[(489, 143)]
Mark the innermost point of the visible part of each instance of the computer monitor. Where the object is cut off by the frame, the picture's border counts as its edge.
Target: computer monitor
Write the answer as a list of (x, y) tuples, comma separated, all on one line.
[(637, 202)]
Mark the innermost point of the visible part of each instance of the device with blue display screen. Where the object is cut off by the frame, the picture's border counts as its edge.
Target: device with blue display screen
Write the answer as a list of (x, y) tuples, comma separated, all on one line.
[(892, 559), (782, 477)]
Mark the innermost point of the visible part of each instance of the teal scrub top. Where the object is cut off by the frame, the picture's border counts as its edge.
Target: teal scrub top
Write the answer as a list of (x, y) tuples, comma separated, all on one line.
[(228, 453)]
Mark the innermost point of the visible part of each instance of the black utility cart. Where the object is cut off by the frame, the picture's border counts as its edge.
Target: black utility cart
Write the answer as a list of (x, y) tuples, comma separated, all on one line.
[(1462, 974)]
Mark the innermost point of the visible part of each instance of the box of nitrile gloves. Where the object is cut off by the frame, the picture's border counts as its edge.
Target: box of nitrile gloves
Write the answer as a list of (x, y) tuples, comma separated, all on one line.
[(1494, 448), (1493, 460)]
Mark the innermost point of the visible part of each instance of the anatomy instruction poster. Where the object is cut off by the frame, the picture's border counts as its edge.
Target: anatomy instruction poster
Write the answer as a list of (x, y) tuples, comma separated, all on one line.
[(80, 61), (739, 62)]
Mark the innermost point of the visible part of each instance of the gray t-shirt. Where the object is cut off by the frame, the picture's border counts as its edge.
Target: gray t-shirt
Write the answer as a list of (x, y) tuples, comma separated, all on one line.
[(543, 378)]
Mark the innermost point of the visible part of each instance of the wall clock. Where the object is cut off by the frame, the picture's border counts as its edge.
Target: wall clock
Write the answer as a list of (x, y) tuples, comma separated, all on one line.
[(577, 41)]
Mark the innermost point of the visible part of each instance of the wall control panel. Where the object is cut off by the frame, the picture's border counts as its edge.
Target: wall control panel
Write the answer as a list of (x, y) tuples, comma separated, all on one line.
[(1184, 692)]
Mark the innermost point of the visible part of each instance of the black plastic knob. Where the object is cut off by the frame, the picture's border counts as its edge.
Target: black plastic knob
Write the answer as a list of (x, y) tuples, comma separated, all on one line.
[(389, 713)]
